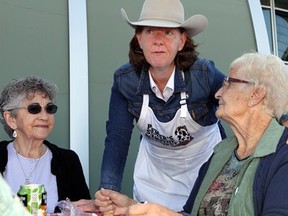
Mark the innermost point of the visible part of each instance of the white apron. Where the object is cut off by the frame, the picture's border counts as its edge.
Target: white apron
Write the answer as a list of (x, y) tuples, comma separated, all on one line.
[(170, 156)]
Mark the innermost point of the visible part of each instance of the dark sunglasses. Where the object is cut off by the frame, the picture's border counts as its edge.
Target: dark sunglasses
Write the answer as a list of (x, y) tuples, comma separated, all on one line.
[(35, 108)]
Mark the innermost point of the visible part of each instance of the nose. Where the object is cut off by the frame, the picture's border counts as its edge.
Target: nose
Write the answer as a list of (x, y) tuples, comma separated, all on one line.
[(158, 43), (43, 114), (158, 38), (218, 94)]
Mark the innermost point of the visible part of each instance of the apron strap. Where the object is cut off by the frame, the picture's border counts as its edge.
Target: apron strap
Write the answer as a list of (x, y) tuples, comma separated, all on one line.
[(183, 104), (145, 100)]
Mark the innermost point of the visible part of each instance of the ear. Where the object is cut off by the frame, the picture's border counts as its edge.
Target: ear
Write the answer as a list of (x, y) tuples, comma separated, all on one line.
[(182, 41), (138, 36), (257, 95), (10, 120)]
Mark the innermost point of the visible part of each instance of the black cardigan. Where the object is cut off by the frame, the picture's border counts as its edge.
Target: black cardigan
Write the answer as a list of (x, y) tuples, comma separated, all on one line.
[(65, 165)]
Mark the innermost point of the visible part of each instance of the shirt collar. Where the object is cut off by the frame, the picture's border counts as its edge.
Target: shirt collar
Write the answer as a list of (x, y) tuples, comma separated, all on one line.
[(269, 140), (170, 83), (144, 83), (267, 144), (168, 89)]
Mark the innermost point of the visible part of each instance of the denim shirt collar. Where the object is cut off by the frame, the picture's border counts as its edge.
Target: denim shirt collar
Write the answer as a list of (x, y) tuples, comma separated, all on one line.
[(145, 88)]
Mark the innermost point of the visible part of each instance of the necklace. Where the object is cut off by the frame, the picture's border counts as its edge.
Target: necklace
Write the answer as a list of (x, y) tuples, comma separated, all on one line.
[(27, 179)]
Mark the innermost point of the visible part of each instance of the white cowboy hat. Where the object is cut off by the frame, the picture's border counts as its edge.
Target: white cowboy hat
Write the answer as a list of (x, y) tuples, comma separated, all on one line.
[(167, 13)]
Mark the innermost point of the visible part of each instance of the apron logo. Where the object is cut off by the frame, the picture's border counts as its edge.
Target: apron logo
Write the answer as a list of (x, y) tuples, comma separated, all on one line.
[(183, 136), (181, 133)]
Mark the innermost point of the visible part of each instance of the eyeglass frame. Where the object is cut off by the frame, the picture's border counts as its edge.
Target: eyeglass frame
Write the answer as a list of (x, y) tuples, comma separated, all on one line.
[(30, 106), (235, 80)]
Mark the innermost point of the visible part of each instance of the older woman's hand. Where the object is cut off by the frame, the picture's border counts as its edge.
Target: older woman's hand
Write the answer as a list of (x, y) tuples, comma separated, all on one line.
[(86, 205), (150, 210), (112, 201)]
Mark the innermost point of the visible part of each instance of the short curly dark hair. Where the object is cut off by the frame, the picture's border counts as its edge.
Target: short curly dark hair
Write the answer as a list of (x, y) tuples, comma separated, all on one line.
[(17, 90)]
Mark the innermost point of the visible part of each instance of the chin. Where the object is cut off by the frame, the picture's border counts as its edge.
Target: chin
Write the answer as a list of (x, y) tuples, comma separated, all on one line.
[(218, 113)]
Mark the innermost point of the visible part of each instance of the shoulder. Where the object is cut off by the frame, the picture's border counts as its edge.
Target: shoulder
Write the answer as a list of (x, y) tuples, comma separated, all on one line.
[(3, 147), (206, 68), (281, 153), (60, 152), (270, 176), (283, 140), (127, 77), (203, 63), (3, 144), (125, 69), (3, 155), (275, 162)]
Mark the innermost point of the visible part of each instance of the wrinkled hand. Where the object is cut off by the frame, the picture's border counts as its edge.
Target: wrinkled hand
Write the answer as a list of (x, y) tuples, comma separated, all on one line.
[(86, 205), (110, 201), (150, 210)]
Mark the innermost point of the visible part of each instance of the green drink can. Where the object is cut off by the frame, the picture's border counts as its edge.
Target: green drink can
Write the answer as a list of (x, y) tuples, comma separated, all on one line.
[(34, 198)]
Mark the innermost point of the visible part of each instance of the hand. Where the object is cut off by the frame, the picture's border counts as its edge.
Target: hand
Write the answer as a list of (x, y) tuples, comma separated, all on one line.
[(111, 201), (86, 205), (150, 210)]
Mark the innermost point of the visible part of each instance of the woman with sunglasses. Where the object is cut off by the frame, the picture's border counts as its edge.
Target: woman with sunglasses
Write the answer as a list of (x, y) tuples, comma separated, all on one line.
[(27, 108)]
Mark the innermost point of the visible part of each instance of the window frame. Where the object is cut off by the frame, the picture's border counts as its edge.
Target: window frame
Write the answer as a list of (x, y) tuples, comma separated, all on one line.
[(274, 36)]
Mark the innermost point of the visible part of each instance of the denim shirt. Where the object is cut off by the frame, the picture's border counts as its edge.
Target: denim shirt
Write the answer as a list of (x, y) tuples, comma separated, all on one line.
[(202, 81)]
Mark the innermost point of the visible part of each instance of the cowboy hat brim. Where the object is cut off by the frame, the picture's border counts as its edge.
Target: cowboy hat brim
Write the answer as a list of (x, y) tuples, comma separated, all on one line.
[(193, 25)]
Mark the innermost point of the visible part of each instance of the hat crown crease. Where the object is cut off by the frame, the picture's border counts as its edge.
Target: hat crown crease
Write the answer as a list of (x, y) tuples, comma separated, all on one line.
[(167, 13), (166, 10)]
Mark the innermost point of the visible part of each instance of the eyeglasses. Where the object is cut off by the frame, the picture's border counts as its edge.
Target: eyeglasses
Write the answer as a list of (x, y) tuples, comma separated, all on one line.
[(230, 79), (35, 108)]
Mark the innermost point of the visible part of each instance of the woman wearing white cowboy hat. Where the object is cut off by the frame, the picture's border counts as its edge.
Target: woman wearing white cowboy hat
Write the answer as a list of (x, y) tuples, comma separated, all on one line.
[(169, 91)]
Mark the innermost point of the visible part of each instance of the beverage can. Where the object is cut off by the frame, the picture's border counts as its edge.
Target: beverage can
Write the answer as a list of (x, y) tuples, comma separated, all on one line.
[(34, 198)]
